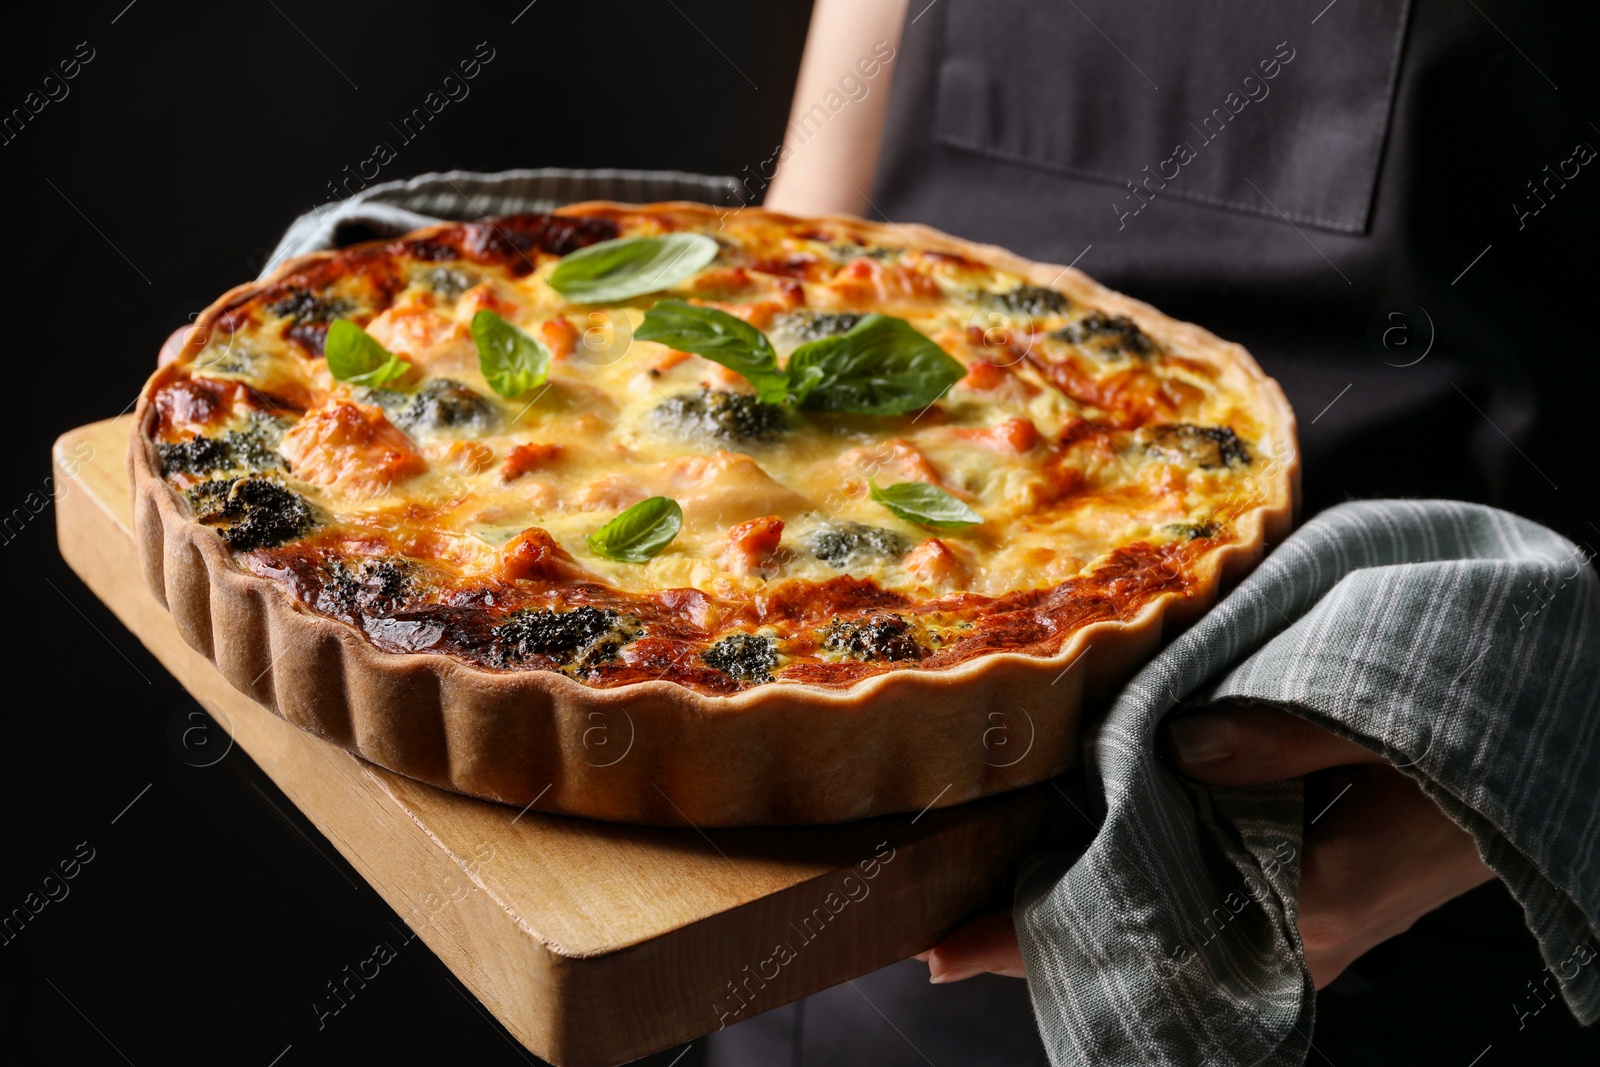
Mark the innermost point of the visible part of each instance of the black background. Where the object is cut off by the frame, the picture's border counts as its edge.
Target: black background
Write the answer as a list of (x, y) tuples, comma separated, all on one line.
[(213, 913)]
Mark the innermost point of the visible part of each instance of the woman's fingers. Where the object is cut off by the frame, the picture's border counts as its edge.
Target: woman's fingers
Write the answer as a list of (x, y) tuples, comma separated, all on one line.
[(172, 347), (1379, 853), (987, 943), (1378, 857), (1234, 746)]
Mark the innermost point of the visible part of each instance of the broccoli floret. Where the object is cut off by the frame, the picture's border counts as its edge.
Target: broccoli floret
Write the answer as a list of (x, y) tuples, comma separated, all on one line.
[(441, 405), (882, 636), (209, 500), (1028, 300), (252, 449), (1111, 334), (302, 305), (445, 404), (366, 586), (847, 252), (268, 514), (309, 315), (584, 636), (260, 513), (198, 455), (256, 447), (1193, 531), (809, 325), (1207, 447), (745, 657), (448, 282), (843, 545), (228, 357), (714, 413)]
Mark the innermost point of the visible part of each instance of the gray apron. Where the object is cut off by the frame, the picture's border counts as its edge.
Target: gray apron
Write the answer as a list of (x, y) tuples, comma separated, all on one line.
[(1356, 191)]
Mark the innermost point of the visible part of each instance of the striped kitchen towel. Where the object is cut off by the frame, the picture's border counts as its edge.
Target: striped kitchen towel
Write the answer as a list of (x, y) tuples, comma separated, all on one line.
[(401, 206), (1457, 641)]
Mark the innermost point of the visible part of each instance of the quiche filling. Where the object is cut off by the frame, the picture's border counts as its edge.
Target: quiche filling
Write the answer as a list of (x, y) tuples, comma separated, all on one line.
[(800, 457)]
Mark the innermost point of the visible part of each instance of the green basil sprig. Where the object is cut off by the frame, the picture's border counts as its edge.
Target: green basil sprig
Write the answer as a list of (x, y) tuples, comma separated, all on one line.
[(354, 356), (721, 338), (925, 505), (511, 361), (631, 266), (639, 534), (881, 366)]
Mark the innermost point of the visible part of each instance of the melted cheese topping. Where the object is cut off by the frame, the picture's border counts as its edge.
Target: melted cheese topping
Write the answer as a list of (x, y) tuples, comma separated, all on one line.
[(1074, 433)]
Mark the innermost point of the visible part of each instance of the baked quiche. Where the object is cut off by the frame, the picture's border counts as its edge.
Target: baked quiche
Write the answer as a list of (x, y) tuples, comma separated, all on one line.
[(667, 513)]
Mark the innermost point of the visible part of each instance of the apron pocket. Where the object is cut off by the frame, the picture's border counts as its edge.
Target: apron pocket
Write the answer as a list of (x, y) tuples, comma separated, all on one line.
[(1250, 105)]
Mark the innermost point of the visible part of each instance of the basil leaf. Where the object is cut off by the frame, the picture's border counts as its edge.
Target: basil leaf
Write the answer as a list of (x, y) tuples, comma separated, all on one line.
[(880, 366), (631, 266), (511, 361), (639, 534), (721, 338), (925, 505), (353, 356)]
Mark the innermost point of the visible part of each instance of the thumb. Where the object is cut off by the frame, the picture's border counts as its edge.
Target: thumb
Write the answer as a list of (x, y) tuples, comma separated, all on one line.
[(1233, 746), (173, 346), (987, 943)]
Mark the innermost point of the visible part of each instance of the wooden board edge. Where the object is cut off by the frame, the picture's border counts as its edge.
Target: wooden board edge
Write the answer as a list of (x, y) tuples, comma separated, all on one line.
[(671, 993), (528, 973), (811, 934)]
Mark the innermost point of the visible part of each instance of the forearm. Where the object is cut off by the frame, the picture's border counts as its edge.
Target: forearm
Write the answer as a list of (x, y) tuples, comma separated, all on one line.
[(830, 147)]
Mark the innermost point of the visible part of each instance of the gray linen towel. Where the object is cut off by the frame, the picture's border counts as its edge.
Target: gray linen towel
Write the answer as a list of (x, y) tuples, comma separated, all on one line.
[(400, 206), (1456, 640)]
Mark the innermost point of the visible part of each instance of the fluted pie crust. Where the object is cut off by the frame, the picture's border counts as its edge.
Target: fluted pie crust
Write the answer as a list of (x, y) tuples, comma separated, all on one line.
[(661, 752)]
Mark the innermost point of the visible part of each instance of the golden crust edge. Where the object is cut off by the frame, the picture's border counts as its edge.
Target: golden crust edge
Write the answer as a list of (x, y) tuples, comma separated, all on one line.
[(777, 754)]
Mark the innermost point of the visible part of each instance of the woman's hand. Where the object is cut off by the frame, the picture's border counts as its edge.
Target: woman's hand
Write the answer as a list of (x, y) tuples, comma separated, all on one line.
[(987, 943), (1379, 854), (172, 347)]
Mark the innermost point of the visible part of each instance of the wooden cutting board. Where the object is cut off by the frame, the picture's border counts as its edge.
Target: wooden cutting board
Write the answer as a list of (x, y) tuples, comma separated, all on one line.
[(594, 943)]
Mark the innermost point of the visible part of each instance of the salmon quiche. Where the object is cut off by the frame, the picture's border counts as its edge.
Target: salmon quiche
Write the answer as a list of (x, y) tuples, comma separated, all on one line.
[(669, 514)]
